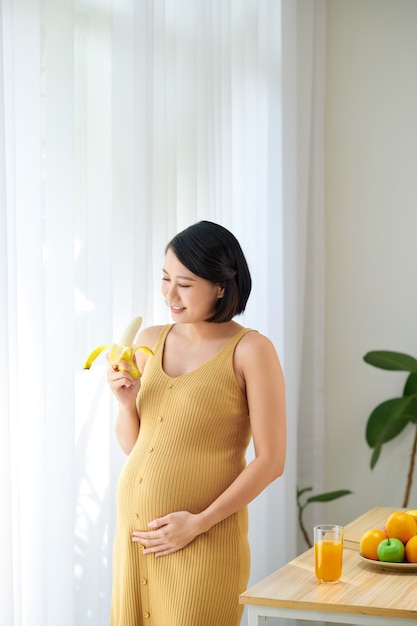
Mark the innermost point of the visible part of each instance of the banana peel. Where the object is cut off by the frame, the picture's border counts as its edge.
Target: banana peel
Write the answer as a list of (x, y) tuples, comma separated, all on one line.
[(123, 351)]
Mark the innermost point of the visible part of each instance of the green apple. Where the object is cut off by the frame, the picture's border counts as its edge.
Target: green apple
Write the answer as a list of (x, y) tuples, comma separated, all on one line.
[(391, 550)]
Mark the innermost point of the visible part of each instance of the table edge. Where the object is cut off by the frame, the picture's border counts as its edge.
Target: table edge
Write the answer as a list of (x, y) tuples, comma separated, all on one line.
[(328, 608)]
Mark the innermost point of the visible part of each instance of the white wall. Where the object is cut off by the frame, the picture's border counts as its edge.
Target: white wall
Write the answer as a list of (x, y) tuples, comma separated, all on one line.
[(371, 239)]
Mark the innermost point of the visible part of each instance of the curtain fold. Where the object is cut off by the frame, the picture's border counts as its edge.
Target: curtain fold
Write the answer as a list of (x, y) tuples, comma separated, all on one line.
[(120, 124), (56, 327), (311, 55), (6, 518)]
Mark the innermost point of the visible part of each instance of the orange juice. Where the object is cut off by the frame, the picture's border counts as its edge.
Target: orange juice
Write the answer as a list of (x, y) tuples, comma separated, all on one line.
[(328, 560)]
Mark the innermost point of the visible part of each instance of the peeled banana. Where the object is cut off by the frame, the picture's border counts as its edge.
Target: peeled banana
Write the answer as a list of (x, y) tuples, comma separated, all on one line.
[(123, 351)]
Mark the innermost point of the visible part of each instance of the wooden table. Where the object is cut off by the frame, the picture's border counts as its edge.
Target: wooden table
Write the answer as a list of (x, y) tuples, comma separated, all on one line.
[(366, 595)]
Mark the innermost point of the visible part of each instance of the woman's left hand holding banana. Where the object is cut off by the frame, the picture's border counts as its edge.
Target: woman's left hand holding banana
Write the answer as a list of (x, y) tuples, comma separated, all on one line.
[(125, 389), (123, 376), (123, 385)]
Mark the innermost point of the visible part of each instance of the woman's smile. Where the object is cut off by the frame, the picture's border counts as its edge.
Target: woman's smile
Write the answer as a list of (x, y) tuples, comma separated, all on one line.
[(176, 309)]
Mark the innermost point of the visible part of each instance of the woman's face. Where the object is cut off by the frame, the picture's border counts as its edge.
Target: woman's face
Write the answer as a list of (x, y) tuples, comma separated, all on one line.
[(190, 298)]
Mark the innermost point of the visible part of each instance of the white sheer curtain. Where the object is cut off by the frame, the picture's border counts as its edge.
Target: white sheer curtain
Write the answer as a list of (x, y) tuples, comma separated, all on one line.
[(311, 56), (121, 123)]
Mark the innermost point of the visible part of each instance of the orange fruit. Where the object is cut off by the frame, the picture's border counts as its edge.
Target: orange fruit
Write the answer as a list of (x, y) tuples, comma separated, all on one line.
[(413, 513), (401, 526), (370, 541), (411, 549)]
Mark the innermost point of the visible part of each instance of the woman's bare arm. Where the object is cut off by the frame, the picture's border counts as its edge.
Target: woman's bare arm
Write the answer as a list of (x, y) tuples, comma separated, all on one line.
[(125, 389)]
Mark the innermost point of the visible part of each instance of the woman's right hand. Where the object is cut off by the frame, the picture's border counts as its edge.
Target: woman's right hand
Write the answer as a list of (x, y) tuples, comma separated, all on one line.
[(124, 387)]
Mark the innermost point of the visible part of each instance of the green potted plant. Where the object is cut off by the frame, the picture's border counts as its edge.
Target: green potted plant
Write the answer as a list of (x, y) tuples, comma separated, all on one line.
[(392, 416), (322, 497)]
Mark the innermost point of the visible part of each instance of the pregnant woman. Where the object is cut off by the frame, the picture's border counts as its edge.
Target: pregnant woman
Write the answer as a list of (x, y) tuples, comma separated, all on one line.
[(181, 554)]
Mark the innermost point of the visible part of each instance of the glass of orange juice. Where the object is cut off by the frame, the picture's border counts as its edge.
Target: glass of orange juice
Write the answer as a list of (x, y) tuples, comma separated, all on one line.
[(328, 552)]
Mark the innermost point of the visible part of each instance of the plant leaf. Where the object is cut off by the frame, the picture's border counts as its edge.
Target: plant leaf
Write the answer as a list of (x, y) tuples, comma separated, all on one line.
[(410, 387), (387, 420), (411, 412), (375, 455), (301, 491), (388, 360), (331, 495)]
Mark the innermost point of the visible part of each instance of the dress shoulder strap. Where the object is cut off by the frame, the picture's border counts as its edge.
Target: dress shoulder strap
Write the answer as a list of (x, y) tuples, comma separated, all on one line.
[(160, 342), (232, 343)]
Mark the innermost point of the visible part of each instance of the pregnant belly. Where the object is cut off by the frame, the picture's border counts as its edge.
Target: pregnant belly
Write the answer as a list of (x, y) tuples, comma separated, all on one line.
[(153, 484)]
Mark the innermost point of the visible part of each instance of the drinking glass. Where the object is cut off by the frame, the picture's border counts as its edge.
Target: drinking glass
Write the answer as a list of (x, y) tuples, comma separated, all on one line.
[(328, 552)]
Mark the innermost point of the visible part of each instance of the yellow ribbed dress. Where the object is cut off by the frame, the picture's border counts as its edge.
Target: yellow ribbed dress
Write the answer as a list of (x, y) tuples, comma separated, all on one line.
[(193, 437)]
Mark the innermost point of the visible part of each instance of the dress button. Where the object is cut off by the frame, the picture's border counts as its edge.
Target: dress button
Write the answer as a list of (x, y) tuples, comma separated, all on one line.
[(139, 480), (169, 385), (146, 615), (136, 515), (150, 449), (160, 419), (143, 581)]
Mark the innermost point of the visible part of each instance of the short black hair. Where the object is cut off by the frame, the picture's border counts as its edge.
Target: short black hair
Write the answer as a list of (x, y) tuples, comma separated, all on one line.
[(212, 252)]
